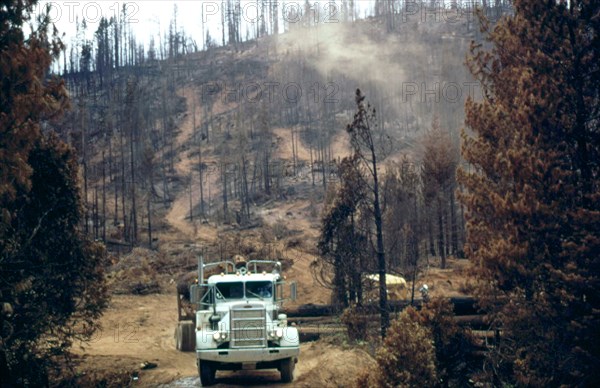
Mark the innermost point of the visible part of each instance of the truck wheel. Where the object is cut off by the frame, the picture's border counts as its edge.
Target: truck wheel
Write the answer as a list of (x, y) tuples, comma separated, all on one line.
[(207, 373), (287, 370), (185, 336)]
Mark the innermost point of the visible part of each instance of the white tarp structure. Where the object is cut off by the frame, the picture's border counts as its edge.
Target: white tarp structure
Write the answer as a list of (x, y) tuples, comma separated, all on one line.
[(396, 285)]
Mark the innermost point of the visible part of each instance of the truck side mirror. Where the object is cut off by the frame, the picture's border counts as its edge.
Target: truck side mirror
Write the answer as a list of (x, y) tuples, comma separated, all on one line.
[(195, 293), (293, 291)]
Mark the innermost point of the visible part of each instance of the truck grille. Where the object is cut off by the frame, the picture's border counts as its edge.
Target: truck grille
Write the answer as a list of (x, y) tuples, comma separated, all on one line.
[(248, 326)]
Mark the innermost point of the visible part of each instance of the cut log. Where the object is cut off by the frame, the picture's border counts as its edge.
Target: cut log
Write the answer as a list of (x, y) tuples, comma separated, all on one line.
[(462, 306)]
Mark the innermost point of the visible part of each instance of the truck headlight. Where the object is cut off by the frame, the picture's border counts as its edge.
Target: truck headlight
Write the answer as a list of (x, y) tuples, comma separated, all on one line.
[(276, 333), (220, 336)]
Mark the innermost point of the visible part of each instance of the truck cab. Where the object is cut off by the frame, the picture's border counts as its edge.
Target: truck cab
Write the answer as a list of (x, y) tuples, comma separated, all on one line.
[(239, 320)]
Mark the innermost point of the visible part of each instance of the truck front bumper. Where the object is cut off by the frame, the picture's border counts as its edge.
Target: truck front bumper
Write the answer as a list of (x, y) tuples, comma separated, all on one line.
[(253, 355)]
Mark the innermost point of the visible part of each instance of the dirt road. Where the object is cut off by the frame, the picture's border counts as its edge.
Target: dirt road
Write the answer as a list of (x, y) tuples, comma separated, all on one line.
[(141, 328), (320, 365)]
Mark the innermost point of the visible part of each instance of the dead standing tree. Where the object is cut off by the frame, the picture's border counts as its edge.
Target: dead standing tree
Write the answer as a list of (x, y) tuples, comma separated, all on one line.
[(363, 144)]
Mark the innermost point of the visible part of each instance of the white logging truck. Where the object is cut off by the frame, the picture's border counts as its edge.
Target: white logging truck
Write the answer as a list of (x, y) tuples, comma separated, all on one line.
[(234, 319)]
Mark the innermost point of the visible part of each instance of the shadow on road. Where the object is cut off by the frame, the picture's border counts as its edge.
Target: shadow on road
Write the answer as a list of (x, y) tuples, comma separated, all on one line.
[(249, 378)]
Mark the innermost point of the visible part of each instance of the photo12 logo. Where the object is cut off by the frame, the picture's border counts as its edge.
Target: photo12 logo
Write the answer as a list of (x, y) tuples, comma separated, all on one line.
[(270, 92), (292, 11), (120, 332), (88, 11), (448, 92)]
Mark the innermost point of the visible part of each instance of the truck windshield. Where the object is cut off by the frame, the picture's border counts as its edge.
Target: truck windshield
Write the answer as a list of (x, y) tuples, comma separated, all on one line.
[(233, 290), (260, 289)]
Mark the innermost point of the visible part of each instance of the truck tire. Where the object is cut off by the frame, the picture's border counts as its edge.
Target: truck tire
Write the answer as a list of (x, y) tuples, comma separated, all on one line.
[(185, 336), (287, 370), (207, 373)]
